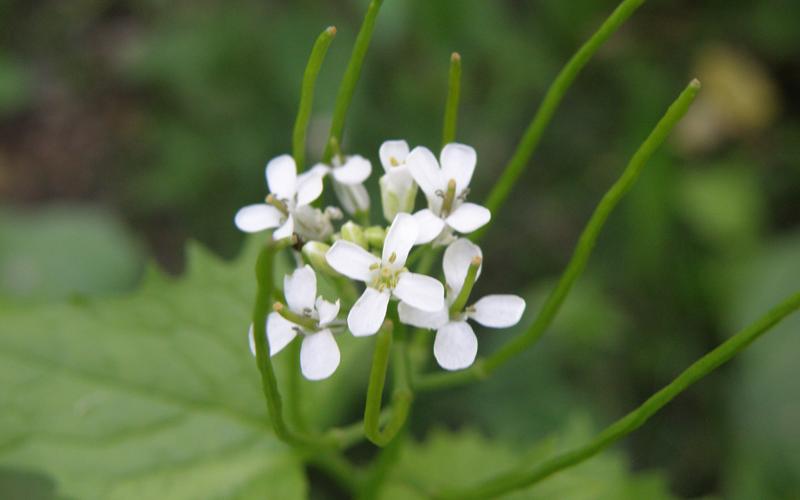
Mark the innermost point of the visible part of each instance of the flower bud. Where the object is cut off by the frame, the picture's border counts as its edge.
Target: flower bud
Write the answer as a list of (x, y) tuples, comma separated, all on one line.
[(375, 236), (315, 252), (353, 232), (398, 193)]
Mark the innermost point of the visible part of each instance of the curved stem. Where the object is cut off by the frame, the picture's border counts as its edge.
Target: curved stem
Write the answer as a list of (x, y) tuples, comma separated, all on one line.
[(453, 95), (401, 396), (307, 95), (559, 87), (351, 75), (526, 476), (581, 255), (269, 383)]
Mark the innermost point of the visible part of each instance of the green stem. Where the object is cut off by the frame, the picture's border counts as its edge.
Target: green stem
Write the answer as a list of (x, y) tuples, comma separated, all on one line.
[(291, 316), (294, 395), (453, 95), (264, 266), (469, 282), (351, 75), (580, 256), (401, 396), (526, 476), (307, 95), (559, 87)]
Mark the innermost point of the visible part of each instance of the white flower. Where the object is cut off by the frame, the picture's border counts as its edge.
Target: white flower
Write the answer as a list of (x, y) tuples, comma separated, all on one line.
[(319, 354), (348, 179), (456, 345), (289, 211), (398, 190), (385, 277), (446, 189)]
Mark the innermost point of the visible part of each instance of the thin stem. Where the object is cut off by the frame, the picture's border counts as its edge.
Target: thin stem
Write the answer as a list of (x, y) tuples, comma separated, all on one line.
[(401, 396), (291, 316), (294, 394), (526, 476), (453, 95), (307, 95), (581, 254), (264, 265), (559, 87), (351, 75), (469, 282)]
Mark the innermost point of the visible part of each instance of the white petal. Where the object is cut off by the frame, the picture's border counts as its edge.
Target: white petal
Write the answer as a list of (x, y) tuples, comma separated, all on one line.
[(300, 289), (368, 313), (457, 258), (252, 340), (420, 291), (309, 187), (280, 331), (282, 177), (319, 355), (410, 315), (393, 154), (455, 346), (354, 171), (353, 198), (425, 170), (468, 217), (352, 260), (429, 226), (400, 237), (258, 217), (319, 169), (327, 310), (498, 311), (285, 230), (458, 162)]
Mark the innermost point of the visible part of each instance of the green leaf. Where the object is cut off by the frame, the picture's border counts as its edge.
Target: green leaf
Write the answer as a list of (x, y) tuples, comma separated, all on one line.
[(153, 395), (450, 459), (62, 250)]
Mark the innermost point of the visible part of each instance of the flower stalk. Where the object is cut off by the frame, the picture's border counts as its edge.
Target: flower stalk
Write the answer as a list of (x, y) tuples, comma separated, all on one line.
[(307, 95), (401, 397), (453, 96)]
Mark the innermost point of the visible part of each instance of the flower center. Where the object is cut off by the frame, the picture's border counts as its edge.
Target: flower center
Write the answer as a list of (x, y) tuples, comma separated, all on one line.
[(386, 274)]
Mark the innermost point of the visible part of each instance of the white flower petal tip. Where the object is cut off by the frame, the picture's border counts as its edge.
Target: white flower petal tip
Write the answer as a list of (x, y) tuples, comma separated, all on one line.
[(498, 311), (458, 163), (455, 346), (368, 313), (319, 355), (425, 170), (418, 318), (309, 188), (351, 260), (282, 177), (257, 217), (458, 256), (393, 154), (300, 289), (327, 310), (468, 217), (285, 231), (429, 226), (280, 332), (354, 171), (400, 237), (420, 291)]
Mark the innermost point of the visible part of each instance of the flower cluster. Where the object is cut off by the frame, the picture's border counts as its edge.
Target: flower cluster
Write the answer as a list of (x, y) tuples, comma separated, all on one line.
[(378, 256)]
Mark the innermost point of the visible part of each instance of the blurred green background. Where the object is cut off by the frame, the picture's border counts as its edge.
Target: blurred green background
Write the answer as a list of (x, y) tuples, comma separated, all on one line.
[(129, 127)]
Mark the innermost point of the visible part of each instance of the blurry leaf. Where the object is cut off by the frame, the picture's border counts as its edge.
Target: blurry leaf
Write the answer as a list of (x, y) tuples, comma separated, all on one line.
[(154, 395), (723, 204), (764, 406), (447, 460), (63, 250)]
